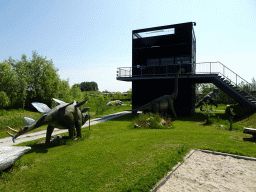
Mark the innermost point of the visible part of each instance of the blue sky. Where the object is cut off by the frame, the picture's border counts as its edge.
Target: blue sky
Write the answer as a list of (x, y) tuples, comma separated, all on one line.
[(88, 40)]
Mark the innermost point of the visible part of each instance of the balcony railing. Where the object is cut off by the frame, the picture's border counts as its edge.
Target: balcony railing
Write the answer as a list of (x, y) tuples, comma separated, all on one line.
[(198, 68)]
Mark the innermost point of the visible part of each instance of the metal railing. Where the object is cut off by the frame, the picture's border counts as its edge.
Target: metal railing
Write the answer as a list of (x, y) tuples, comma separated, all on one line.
[(216, 68)]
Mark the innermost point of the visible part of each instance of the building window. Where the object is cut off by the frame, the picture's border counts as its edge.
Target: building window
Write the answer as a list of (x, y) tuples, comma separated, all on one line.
[(182, 60), (152, 62), (154, 33), (167, 61)]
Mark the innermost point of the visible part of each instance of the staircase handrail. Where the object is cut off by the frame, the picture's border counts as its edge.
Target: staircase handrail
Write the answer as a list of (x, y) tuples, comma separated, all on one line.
[(237, 75), (239, 87), (235, 83)]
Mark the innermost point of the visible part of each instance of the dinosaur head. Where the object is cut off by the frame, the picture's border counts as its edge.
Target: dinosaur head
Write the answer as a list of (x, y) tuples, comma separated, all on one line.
[(85, 117)]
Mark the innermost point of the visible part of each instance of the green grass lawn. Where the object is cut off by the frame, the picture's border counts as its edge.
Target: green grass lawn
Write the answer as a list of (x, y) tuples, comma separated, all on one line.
[(14, 117), (114, 156)]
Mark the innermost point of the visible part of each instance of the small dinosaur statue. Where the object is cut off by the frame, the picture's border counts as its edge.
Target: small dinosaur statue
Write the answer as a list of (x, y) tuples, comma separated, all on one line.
[(164, 104), (64, 116), (209, 97)]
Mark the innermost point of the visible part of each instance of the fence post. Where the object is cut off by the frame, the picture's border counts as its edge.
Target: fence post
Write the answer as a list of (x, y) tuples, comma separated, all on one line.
[(210, 68), (236, 80)]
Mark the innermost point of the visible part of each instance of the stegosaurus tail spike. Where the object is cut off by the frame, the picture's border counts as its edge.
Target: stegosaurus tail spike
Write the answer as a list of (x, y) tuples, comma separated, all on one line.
[(81, 103), (28, 120)]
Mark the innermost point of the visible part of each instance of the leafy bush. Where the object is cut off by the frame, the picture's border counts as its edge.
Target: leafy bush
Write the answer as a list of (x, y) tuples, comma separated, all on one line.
[(208, 113), (239, 110), (100, 104), (152, 121), (4, 100)]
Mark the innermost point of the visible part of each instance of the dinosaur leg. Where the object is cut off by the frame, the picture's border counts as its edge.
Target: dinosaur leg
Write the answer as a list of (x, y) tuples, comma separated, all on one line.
[(78, 130), (172, 110), (164, 108), (50, 129), (155, 108), (71, 132)]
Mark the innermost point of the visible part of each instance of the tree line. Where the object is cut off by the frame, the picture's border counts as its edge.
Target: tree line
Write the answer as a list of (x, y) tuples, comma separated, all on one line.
[(36, 80)]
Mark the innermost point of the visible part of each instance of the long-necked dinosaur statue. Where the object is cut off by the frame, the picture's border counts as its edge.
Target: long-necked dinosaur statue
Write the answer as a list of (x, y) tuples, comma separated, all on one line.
[(210, 98), (64, 116), (164, 104)]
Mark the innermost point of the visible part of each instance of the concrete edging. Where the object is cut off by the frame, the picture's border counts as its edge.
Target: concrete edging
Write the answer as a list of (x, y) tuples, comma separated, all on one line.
[(228, 154)]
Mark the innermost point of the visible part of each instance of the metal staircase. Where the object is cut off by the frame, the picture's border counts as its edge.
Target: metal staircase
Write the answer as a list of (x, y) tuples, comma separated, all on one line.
[(221, 76), (237, 93), (232, 84)]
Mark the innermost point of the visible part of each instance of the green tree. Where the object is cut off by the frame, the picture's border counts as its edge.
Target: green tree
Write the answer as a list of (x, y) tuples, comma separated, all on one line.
[(94, 86), (63, 91), (8, 81), (77, 85), (254, 87), (100, 104), (118, 95), (4, 100), (89, 86), (86, 86), (41, 77), (19, 68), (76, 93), (23, 98), (129, 94)]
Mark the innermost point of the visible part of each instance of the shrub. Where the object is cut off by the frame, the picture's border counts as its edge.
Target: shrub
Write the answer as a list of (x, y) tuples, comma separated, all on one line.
[(152, 121), (4, 100), (208, 113), (100, 105), (239, 110)]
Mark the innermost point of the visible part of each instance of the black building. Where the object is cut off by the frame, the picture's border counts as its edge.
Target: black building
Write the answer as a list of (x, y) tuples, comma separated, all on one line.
[(157, 54)]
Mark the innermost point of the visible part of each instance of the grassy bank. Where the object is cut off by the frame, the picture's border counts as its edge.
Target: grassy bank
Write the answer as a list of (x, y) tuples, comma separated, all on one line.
[(114, 156), (14, 117)]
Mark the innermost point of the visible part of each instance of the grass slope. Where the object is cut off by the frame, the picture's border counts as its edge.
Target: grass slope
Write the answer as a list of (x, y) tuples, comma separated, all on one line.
[(14, 117), (114, 156)]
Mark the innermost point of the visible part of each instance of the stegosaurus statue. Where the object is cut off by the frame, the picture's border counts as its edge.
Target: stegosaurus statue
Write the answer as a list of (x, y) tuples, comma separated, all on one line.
[(64, 116)]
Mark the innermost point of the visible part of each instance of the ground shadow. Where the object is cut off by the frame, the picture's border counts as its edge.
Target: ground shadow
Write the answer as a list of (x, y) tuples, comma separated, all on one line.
[(41, 147), (251, 139), (126, 117)]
